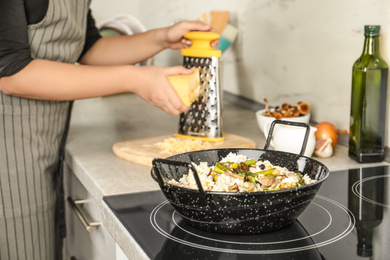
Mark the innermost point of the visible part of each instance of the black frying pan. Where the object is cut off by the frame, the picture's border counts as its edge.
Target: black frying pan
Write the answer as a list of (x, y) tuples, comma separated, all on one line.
[(239, 212)]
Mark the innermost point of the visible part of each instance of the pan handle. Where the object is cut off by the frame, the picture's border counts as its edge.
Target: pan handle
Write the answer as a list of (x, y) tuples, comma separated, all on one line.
[(157, 162), (283, 122), (154, 176)]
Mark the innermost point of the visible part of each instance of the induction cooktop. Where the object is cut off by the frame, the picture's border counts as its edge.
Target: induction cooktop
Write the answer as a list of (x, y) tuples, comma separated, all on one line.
[(347, 219)]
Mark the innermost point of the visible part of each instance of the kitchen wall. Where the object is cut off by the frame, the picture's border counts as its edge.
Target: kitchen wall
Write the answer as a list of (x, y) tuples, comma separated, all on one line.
[(286, 50)]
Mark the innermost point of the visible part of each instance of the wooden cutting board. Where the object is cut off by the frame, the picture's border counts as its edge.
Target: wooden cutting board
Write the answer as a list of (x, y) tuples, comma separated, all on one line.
[(143, 151)]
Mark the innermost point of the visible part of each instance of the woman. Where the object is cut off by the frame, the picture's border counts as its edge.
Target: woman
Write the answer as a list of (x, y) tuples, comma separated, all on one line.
[(40, 43)]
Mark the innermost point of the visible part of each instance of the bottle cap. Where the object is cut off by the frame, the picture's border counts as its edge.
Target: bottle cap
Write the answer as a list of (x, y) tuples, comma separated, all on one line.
[(371, 30)]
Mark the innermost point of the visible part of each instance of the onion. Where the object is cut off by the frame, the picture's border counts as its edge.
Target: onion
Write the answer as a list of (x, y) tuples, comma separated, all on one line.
[(328, 130)]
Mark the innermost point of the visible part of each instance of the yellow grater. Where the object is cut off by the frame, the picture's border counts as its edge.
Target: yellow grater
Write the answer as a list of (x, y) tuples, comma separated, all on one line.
[(204, 118)]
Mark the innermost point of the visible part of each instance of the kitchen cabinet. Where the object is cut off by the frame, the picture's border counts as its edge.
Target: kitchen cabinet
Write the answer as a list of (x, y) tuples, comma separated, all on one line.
[(95, 244)]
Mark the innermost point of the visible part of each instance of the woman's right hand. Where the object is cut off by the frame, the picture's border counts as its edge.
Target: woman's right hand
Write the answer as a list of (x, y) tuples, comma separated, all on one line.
[(155, 88)]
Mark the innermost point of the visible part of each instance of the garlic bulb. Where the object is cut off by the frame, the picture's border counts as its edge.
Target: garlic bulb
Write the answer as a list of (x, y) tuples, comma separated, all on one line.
[(324, 148)]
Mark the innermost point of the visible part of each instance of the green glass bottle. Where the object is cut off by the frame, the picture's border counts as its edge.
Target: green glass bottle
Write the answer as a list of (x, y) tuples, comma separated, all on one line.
[(368, 101)]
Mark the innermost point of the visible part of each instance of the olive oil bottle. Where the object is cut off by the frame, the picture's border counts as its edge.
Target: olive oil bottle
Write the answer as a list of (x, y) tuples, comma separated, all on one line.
[(368, 101)]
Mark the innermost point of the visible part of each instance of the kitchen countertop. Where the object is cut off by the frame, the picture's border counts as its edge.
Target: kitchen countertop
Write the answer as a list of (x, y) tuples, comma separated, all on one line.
[(99, 123)]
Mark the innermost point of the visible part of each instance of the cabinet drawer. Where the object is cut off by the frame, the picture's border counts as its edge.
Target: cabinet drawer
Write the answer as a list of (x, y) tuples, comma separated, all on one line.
[(80, 243)]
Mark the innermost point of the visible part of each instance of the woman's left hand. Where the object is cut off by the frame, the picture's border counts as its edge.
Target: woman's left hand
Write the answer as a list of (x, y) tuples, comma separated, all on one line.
[(175, 33)]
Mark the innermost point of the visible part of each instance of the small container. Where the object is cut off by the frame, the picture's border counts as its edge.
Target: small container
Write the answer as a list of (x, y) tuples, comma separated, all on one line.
[(263, 120), (204, 118)]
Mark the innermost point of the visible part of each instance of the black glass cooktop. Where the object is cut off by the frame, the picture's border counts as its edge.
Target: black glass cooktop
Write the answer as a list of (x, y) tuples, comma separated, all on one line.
[(346, 220)]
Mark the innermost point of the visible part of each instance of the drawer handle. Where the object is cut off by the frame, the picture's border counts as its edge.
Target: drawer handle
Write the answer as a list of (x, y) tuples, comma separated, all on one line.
[(87, 225)]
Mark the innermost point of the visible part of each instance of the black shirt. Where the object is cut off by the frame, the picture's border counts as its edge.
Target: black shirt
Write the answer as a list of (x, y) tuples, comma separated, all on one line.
[(15, 16)]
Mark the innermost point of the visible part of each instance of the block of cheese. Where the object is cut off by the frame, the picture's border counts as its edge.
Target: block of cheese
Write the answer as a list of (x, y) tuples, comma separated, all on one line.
[(186, 86)]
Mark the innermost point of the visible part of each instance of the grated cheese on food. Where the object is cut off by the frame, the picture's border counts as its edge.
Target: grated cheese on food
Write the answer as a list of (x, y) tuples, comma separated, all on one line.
[(221, 176), (175, 145)]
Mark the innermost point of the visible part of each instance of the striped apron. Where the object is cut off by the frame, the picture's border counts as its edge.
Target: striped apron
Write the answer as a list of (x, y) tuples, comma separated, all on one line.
[(32, 138)]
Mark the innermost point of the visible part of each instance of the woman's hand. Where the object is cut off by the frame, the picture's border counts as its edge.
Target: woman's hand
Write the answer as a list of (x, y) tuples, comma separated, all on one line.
[(132, 49), (174, 34), (156, 89)]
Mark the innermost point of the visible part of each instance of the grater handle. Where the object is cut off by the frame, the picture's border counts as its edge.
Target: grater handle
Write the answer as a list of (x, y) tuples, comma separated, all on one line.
[(201, 45)]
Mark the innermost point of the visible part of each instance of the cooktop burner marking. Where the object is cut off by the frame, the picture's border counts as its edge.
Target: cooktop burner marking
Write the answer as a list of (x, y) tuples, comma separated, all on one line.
[(351, 224), (356, 190), (258, 243), (344, 233)]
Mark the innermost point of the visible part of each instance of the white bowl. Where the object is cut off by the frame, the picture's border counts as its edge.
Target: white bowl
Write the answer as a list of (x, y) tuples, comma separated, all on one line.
[(262, 121)]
